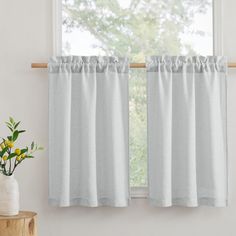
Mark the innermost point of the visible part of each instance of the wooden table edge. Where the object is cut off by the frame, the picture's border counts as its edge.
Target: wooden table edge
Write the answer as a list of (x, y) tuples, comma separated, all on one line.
[(21, 215)]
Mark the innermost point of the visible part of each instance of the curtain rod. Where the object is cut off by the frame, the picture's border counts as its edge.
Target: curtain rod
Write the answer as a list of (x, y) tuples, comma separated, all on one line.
[(132, 65)]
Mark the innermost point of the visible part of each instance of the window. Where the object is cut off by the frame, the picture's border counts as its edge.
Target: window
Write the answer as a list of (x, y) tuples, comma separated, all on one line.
[(137, 28)]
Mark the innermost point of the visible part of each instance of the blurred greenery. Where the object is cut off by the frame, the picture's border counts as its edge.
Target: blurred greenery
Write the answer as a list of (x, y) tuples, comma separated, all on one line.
[(138, 128), (144, 27)]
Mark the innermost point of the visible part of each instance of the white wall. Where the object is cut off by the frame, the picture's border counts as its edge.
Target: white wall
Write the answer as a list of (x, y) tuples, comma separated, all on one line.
[(25, 37)]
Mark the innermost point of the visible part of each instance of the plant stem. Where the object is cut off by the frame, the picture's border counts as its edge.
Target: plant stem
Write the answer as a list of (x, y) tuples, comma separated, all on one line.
[(15, 165), (5, 168), (9, 169), (10, 166)]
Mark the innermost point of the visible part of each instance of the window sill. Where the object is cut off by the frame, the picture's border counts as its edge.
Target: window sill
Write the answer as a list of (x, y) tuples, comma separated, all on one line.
[(139, 192)]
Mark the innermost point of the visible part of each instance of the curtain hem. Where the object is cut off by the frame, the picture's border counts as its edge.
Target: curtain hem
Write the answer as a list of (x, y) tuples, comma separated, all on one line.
[(187, 202), (87, 203)]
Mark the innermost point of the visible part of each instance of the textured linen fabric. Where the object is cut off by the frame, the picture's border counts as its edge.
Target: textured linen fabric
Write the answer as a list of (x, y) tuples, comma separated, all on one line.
[(187, 146), (88, 131)]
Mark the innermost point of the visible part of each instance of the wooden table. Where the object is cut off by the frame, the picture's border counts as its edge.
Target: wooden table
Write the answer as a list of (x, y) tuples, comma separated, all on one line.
[(24, 224)]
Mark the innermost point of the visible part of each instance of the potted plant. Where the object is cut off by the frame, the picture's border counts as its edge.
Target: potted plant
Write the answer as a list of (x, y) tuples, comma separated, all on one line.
[(11, 157)]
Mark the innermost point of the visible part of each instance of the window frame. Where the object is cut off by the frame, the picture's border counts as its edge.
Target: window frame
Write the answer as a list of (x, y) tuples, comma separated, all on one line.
[(137, 192)]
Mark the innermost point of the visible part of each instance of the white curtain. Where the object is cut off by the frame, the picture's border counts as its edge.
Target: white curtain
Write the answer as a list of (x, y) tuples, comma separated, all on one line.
[(88, 131), (187, 146)]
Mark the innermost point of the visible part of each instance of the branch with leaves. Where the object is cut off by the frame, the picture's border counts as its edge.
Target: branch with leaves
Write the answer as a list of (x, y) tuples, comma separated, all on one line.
[(137, 30), (9, 158)]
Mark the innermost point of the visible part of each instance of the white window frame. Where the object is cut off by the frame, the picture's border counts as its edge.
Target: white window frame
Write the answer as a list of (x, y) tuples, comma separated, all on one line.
[(217, 28), (138, 192)]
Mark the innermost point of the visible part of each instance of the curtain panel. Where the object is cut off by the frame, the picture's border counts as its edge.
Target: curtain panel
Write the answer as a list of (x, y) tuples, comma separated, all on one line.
[(88, 131), (187, 144)]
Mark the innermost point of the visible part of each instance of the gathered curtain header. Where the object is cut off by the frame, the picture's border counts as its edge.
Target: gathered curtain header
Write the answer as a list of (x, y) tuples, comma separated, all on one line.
[(190, 63), (99, 64)]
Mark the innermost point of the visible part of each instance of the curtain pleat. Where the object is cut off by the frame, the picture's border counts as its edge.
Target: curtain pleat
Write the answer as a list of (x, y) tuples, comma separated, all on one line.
[(187, 148), (88, 131)]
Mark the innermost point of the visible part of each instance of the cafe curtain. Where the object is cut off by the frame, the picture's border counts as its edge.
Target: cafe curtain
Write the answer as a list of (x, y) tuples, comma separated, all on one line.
[(88, 131), (187, 144)]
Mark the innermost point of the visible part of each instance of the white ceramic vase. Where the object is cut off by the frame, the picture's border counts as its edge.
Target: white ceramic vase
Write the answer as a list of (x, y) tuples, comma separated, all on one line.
[(9, 196)]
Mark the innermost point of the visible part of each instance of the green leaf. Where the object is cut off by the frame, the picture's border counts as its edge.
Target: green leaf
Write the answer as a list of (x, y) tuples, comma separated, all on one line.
[(32, 145), (9, 138), (9, 124), (3, 151), (24, 150), (16, 125), (21, 131), (29, 156), (15, 135), (12, 120), (11, 156), (10, 128)]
